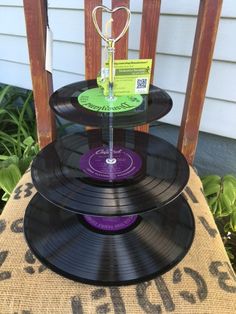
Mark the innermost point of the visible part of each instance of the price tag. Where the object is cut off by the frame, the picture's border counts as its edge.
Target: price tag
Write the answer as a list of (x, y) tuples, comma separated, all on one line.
[(131, 77)]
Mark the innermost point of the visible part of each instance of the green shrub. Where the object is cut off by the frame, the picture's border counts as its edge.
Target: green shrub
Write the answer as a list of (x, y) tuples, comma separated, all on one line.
[(18, 142), (220, 193)]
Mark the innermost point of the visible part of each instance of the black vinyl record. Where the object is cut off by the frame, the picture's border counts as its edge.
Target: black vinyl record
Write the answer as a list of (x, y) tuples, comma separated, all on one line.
[(148, 174), (65, 103), (153, 245)]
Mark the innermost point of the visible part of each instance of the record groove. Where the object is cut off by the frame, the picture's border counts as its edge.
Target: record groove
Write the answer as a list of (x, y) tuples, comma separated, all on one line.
[(153, 246), (65, 103), (57, 175)]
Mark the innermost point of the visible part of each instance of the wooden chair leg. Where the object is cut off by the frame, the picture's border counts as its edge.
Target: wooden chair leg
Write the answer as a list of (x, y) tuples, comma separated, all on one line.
[(36, 21), (207, 25), (148, 40)]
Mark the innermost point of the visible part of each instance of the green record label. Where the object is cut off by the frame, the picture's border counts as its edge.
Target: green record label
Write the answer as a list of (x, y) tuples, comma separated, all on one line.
[(94, 99)]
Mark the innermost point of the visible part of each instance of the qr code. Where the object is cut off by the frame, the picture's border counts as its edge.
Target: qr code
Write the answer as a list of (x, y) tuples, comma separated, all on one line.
[(141, 85)]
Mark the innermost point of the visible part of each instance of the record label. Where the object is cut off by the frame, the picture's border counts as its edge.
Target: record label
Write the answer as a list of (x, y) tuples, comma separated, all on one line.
[(94, 99), (110, 223), (94, 163)]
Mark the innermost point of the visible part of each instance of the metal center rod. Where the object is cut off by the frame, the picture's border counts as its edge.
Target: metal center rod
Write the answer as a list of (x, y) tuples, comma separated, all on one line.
[(111, 51)]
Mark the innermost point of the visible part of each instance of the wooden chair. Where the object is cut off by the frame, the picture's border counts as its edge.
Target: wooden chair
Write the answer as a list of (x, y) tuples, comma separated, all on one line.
[(203, 282), (206, 30)]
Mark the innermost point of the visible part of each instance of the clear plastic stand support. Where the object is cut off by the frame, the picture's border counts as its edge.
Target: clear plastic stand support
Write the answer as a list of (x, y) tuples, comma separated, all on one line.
[(111, 51)]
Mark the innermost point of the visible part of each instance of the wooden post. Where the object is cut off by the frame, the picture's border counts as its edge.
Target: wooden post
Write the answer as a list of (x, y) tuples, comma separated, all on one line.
[(92, 40), (93, 44), (148, 41), (206, 30), (36, 21), (121, 47)]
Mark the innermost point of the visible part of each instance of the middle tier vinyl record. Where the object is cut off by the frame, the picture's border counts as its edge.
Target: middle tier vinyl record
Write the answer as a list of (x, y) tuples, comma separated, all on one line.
[(68, 245), (72, 173)]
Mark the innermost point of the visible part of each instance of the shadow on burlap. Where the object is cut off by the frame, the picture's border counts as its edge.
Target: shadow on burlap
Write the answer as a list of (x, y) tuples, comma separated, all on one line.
[(203, 282)]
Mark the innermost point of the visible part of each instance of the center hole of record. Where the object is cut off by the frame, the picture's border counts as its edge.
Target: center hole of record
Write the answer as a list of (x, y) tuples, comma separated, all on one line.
[(94, 163), (111, 224)]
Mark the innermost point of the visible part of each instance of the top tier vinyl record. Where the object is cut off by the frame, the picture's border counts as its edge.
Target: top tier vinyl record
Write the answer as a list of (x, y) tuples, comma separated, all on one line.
[(84, 103), (72, 173)]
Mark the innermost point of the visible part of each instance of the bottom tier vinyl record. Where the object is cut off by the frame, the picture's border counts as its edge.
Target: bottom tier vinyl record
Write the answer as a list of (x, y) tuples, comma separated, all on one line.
[(109, 250)]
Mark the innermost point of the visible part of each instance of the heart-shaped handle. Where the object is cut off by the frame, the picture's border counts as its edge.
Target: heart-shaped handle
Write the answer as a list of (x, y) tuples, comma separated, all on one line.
[(105, 9)]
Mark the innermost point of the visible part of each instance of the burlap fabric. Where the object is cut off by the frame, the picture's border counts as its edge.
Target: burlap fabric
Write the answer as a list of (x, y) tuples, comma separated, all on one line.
[(203, 282)]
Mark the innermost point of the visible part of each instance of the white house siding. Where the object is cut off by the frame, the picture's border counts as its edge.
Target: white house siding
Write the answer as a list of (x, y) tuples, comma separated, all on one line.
[(176, 34)]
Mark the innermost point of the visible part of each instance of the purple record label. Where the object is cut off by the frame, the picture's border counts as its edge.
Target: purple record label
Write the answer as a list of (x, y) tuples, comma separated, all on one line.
[(94, 163), (110, 223)]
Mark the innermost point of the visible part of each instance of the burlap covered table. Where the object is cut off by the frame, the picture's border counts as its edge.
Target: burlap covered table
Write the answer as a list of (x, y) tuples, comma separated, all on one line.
[(203, 282)]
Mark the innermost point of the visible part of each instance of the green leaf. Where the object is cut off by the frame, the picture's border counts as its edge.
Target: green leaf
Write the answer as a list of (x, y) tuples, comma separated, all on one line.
[(28, 141), (225, 211), (233, 220), (5, 197), (212, 200), (218, 209), (9, 177), (210, 179), (12, 115), (211, 188), (4, 91), (30, 113), (21, 121), (226, 204), (213, 208), (229, 190), (4, 157), (6, 149), (35, 149), (29, 150), (230, 178), (226, 227), (24, 164), (4, 163)]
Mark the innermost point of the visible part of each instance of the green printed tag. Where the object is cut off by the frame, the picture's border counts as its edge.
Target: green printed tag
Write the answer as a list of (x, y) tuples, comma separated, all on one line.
[(94, 99), (131, 77)]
